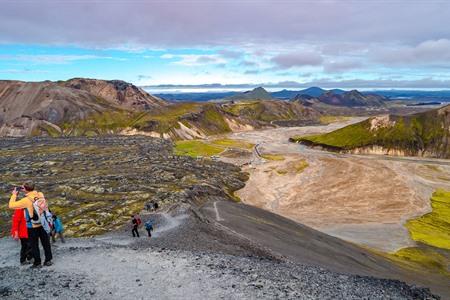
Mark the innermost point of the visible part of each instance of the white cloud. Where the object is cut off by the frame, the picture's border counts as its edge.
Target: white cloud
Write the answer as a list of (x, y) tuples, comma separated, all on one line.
[(297, 59), (195, 59), (54, 58), (341, 66), (426, 53)]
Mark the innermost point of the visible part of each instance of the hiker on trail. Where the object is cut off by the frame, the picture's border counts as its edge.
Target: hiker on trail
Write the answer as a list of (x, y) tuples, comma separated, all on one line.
[(19, 231), (135, 221), (149, 227), (149, 206), (38, 223), (57, 229)]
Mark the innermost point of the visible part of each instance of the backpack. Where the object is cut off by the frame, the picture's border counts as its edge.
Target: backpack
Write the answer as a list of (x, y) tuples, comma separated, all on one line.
[(41, 214), (138, 220), (149, 225)]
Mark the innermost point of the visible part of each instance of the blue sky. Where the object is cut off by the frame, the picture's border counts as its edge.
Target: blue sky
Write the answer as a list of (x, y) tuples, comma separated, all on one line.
[(348, 44)]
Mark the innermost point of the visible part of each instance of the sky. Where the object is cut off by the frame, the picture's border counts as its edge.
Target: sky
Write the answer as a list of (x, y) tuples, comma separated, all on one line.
[(177, 44)]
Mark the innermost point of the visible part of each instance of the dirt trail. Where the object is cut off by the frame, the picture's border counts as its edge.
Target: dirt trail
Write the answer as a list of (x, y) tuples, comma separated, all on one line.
[(363, 199)]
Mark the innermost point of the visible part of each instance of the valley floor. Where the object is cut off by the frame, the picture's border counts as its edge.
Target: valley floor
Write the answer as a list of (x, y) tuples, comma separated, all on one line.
[(362, 199)]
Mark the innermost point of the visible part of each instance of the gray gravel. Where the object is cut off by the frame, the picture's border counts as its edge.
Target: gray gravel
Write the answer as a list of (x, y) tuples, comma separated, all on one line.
[(116, 267)]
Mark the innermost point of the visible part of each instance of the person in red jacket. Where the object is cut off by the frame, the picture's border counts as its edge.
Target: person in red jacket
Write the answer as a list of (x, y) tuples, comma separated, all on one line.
[(19, 231)]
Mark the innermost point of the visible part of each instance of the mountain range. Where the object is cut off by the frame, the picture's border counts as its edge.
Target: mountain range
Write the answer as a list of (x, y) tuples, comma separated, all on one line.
[(348, 99), (90, 107)]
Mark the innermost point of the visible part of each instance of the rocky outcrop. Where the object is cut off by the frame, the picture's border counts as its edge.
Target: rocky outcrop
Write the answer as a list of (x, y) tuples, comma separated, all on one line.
[(117, 92)]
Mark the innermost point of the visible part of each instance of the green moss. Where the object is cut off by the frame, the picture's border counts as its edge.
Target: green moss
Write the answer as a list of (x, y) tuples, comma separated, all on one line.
[(328, 119), (196, 148), (433, 228), (243, 107), (421, 259), (272, 156), (229, 143), (352, 136), (51, 131), (294, 167), (212, 121)]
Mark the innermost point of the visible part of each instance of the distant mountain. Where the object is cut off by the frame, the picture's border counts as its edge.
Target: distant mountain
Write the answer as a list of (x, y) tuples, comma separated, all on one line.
[(311, 91), (33, 108), (258, 93), (348, 99), (422, 134)]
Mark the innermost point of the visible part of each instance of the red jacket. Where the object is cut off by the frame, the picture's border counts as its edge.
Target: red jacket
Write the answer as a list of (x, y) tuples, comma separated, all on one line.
[(19, 224)]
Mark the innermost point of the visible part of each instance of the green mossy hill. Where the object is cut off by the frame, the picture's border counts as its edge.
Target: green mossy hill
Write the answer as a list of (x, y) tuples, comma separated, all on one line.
[(432, 232), (272, 111), (419, 134), (95, 184), (433, 228), (201, 119)]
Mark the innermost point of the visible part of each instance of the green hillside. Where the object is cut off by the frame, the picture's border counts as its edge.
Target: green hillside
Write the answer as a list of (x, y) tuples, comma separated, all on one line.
[(419, 134)]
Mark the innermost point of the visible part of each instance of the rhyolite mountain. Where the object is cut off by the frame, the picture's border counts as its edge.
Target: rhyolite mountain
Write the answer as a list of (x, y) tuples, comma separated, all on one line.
[(117, 92), (31, 108), (424, 134), (351, 98)]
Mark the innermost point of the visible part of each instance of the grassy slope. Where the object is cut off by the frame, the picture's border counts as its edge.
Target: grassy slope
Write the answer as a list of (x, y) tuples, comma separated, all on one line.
[(266, 111), (433, 228), (432, 231), (413, 134), (208, 118), (196, 148)]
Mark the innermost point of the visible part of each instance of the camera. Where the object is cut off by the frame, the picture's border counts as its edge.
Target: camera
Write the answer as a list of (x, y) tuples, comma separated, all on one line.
[(18, 188)]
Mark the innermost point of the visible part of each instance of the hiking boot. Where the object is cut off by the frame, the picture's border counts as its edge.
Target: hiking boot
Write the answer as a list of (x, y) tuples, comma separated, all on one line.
[(27, 262), (48, 263), (34, 266)]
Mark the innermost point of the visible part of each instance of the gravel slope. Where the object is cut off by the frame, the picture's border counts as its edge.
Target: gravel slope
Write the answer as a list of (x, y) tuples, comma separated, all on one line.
[(117, 266)]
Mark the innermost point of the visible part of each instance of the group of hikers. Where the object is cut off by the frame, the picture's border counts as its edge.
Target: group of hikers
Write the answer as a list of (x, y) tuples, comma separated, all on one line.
[(33, 222), (136, 222)]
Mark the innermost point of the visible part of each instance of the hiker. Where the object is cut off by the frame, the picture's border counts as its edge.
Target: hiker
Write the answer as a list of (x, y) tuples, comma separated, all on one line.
[(38, 224), (149, 227), (19, 231), (149, 206), (135, 222), (57, 229)]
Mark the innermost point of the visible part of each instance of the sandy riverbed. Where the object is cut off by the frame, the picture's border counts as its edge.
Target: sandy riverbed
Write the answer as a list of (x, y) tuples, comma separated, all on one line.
[(362, 199)]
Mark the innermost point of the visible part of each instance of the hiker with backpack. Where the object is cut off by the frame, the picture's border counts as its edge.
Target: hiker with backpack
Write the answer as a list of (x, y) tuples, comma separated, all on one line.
[(19, 232), (149, 227), (135, 221), (57, 229), (38, 219)]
